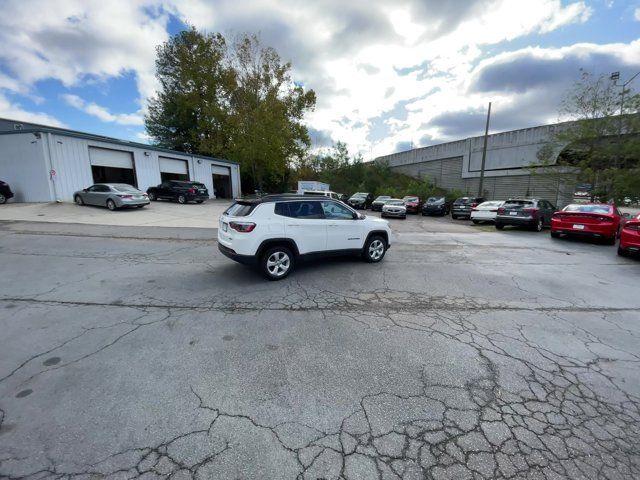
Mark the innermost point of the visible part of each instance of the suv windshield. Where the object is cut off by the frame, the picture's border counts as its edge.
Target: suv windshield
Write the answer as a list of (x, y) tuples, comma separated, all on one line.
[(518, 203), (435, 200), (383, 197), (462, 200)]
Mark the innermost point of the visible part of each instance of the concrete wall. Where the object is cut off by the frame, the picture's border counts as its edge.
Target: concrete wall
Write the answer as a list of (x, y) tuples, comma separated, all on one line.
[(23, 167), (456, 165)]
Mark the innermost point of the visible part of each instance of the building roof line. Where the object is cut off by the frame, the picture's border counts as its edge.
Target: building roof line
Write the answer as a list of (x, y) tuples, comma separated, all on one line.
[(102, 138)]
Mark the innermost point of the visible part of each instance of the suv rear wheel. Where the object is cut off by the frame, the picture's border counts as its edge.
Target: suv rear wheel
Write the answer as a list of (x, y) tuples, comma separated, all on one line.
[(277, 262), (374, 249), (182, 199), (152, 196)]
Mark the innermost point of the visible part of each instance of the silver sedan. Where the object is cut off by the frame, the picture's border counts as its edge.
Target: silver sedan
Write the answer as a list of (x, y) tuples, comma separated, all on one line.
[(112, 196)]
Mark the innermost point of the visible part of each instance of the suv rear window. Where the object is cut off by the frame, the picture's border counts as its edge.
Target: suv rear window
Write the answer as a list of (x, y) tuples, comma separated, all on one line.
[(240, 209), (462, 201)]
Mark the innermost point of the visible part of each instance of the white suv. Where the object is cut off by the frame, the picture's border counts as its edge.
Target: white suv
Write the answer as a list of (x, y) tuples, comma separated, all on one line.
[(274, 231)]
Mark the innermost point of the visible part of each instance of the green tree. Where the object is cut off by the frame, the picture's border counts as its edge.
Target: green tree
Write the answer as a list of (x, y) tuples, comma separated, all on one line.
[(235, 101), (599, 145)]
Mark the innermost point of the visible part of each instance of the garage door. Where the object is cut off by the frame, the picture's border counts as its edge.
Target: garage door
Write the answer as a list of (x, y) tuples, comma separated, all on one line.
[(218, 170), (112, 166), (173, 165), (102, 157)]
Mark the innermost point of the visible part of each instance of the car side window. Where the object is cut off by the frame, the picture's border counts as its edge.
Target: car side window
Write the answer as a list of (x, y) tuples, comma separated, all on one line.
[(282, 209), (305, 210), (103, 188), (92, 188), (164, 184), (335, 211)]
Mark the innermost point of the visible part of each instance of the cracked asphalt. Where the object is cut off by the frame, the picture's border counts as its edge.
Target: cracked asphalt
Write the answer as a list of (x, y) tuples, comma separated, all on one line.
[(466, 354)]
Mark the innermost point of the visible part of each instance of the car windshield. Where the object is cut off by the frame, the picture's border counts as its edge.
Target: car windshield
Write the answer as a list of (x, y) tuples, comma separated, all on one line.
[(383, 197), (123, 187), (588, 208), (394, 201), (435, 200), (410, 199), (355, 195)]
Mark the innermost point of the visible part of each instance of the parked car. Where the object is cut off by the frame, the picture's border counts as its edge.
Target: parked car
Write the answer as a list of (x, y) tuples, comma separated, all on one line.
[(436, 206), (361, 200), (525, 212), (394, 207), (182, 191), (376, 205), (599, 220), (5, 192), (276, 231), (413, 203), (630, 237), (112, 196), (462, 206), (486, 211)]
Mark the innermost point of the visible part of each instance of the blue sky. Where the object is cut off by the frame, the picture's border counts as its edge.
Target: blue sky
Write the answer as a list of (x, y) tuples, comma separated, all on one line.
[(388, 73)]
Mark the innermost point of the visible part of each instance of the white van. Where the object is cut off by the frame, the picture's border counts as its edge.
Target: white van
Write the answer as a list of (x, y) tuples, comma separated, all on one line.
[(322, 193)]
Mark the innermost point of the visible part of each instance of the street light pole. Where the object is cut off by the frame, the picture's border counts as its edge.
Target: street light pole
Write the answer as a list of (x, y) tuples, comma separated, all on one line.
[(484, 153), (615, 76)]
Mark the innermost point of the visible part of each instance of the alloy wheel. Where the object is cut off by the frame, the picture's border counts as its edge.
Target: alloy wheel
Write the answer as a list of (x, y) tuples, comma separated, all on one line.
[(3, 199), (278, 263), (376, 249)]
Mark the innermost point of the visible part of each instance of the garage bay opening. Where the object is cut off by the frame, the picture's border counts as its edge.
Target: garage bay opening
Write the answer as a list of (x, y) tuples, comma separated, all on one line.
[(221, 181), (112, 166)]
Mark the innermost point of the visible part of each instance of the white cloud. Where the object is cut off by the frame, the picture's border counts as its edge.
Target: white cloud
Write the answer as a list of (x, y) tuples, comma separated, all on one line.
[(351, 53), (102, 113), (636, 14), (15, 111)]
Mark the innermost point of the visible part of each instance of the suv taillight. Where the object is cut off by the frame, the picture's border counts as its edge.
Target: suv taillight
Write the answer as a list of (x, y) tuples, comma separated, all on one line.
[(501, 210), (531, 211), (191, 190), (242, 227), (474, 205)]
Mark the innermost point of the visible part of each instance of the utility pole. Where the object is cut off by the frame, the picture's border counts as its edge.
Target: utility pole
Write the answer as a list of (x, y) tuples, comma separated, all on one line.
[(484, 152)]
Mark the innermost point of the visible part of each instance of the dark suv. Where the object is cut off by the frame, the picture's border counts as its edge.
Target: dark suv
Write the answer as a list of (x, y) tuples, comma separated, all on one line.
[(360, 200), (436, 206), (462, 206), (526, 212), (180, 190), (5, 192)]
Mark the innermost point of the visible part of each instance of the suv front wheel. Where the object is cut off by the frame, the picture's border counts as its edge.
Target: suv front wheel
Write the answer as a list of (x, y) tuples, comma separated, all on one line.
[(277, 263), (374, 249)]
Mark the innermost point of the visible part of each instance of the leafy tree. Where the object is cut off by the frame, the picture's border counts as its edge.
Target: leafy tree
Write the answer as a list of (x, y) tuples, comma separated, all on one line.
[(235, 101), (601, 146)]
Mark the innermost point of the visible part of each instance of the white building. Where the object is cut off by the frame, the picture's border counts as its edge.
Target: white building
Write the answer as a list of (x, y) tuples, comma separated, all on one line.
[(46, 164)]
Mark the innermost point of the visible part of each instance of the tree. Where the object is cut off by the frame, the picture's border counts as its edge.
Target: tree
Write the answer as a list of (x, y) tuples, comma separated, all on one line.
[(601, 145), (235, 101)]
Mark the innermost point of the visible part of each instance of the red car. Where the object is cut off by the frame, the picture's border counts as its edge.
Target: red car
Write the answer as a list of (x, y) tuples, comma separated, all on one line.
[(630, 237), (413, 203), (598, 220)]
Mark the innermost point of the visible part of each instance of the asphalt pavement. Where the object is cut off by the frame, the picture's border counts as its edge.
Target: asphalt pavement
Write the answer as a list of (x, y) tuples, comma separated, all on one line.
[(466, 354)]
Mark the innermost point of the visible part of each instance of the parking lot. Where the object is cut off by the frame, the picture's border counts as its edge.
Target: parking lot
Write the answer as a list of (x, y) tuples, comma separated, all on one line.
[(139, 351)]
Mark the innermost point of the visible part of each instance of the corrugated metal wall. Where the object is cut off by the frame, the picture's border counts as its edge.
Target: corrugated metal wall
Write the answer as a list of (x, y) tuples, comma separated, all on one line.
[(23, 167)]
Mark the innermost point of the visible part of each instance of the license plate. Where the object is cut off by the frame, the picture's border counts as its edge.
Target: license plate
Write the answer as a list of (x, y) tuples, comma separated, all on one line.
[(578, 226), (224, 227), (138, 197), (513, 213), (200, 191)]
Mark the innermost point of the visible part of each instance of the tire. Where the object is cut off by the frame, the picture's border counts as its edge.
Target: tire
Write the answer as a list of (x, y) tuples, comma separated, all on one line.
[(277, 262), (139, 206), (152, 196), (3, 199), (111, 205), (540, 225), (374, 249), (475, 222), (555, 234), (610, 240), (78, 200), (454, 217), (499, 226), (199, 201), (182, 199), (622, 252)]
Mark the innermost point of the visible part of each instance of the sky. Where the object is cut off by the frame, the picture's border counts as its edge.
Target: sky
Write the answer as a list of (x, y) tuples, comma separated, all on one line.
[(389, 74)]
